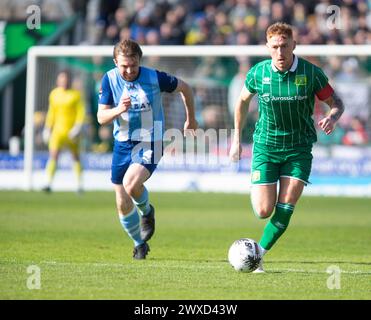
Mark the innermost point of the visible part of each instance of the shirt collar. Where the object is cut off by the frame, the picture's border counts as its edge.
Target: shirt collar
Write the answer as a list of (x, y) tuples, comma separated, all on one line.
[(292, 68)]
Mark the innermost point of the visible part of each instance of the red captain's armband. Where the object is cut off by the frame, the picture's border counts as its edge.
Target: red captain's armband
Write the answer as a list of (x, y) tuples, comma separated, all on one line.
[(325, 92)]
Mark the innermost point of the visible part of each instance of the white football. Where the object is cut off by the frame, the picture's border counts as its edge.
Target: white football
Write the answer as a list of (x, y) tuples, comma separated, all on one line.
[(244, 255)]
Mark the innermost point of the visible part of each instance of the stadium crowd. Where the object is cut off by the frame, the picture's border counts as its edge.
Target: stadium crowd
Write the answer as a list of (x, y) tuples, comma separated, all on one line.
[(205, 22), (231, 22), (218, 22), (243, 22)]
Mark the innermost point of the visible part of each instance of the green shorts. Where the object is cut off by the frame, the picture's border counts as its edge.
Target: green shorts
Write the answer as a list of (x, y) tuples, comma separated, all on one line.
[(268, 164)]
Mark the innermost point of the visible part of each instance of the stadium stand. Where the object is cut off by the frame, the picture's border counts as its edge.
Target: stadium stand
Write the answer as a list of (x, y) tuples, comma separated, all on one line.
[(181, 22)]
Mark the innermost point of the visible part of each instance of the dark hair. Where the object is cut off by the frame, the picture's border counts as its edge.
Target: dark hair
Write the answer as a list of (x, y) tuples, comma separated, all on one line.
[(128, 48), (68, 74)]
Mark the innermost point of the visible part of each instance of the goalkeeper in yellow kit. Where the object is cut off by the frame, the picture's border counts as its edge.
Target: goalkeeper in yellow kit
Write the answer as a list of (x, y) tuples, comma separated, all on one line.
[(63, 126)]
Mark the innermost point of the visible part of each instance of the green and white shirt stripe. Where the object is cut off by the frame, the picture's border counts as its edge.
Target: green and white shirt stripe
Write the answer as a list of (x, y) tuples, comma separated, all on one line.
[(286, 102)]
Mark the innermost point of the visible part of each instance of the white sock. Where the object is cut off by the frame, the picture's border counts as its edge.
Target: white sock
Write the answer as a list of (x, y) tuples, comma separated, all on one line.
[(262, 250)]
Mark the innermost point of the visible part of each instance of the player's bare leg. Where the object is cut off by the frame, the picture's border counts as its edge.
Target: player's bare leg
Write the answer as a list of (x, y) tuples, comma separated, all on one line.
[(290, 190), (129, 219), (124, 204), (263, 199), (134, 180)]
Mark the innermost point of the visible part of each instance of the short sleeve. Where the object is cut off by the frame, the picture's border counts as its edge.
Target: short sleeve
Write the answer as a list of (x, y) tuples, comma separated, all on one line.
[(250, 81), (105, 92), (320, 80), (166, 81)]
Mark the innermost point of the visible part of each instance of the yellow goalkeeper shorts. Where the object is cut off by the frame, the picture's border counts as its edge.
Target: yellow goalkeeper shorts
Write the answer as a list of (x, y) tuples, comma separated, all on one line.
[(59, 141)]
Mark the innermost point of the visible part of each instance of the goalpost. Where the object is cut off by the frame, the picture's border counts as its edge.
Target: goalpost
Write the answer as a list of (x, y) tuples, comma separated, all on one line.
[(40, 78)]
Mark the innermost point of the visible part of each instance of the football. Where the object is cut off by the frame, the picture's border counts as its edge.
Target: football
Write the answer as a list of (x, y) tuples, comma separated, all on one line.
[(244, 255)]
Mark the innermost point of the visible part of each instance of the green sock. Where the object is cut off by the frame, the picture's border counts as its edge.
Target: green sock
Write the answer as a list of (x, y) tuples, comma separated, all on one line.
[(277, 225)]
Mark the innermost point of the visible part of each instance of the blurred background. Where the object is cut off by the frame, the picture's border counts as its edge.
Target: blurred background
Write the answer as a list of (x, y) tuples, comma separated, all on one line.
[(342, 163)]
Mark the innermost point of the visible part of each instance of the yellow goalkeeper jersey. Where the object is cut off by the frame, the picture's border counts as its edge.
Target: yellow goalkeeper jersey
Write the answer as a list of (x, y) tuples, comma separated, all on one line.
[(66, 109)]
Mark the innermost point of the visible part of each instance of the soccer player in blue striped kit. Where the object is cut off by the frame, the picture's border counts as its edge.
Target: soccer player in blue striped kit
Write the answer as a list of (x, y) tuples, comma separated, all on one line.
[(130, 97)]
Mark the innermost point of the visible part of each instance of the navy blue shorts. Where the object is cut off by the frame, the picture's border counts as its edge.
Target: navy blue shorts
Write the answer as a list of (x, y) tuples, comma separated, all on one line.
[(128, 152)]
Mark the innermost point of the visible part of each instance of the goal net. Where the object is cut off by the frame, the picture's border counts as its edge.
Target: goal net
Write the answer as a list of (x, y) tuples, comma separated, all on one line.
[(216, 74)]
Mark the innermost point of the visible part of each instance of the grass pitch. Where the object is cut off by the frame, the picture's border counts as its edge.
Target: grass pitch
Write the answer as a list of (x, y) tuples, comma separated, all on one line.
[(83, 253)]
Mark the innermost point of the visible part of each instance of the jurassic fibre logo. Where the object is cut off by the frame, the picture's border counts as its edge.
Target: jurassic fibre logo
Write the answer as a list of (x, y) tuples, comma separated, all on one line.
[(266, 97)]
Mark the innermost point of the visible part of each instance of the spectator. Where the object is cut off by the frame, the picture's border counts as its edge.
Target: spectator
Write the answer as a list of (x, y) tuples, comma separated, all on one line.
[(349, 71), (356, 133), (107, 9), (141, 25)]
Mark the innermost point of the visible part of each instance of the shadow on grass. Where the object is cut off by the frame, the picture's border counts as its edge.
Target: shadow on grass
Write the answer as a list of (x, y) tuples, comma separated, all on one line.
[(296, 268), (187, 260), (268, 261), (319, 262)]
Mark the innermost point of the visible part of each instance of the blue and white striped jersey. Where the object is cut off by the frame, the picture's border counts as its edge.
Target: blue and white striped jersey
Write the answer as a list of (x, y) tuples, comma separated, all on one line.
[(146, 109)]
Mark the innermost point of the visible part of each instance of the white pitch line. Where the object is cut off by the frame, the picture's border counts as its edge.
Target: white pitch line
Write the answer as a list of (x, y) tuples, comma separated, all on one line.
[(317, 271), (184, 266), (98, 264)]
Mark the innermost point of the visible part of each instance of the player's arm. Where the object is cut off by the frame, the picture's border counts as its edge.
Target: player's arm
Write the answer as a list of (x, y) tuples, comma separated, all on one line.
[(187, 96), (49, 121), (326, 93), (106, 114), (169, 83), (328, 123), (240, 115)]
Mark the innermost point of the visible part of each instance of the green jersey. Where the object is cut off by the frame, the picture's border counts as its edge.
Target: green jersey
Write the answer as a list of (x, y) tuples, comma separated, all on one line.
[(286, 102)]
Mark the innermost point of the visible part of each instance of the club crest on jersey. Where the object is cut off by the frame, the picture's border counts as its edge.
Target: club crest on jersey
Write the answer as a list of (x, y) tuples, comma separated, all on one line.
[(130, 86), (301, 80)]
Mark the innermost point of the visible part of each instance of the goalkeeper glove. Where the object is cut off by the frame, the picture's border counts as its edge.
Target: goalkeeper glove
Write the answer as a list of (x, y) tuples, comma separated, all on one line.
[(46, 135), (75, 131)]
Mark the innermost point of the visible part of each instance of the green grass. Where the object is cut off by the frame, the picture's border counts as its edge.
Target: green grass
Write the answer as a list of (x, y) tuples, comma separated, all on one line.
[(82, 252)]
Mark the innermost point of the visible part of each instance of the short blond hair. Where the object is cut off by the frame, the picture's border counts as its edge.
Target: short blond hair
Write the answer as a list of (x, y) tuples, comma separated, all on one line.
[(279, 28)]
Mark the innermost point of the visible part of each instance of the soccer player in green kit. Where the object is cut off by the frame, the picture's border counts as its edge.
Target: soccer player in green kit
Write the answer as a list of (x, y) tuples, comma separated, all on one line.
[(284, 133)]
